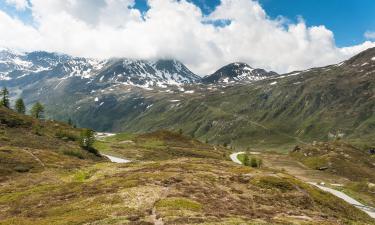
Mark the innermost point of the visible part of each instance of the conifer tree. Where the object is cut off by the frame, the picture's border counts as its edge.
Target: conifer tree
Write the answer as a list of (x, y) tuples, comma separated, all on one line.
[(5, 98), (20, 106)]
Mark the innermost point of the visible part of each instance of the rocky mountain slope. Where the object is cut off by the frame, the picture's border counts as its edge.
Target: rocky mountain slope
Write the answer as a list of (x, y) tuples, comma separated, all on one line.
[(316, 104), (43, 69), (237, 72)]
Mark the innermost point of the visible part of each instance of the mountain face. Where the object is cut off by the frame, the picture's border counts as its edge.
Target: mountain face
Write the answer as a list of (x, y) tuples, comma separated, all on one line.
[(18, 69), (145, 74), (237, 72), (141, 96), (336, 101)]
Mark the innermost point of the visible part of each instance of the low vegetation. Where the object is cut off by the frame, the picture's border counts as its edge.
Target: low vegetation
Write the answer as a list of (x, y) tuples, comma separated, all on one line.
[(32, 145), (49, 175), (179, 191), (159, 145), (342, 159)]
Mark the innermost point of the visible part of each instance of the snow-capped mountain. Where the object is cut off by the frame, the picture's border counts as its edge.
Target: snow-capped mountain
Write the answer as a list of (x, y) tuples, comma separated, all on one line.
[(25, 68), (15, 66), (237, 72), (145, 74)]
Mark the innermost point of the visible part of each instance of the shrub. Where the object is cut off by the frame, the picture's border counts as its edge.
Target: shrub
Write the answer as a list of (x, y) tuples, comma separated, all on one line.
[(22, 168), (246, 161), (37, 130), (87, 140), (253, 162)]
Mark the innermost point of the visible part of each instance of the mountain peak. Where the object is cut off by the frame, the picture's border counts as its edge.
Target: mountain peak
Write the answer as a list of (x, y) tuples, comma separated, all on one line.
[(367, 56), (237, 71)]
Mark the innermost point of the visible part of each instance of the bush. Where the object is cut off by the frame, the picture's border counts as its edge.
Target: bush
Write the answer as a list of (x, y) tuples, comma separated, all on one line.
[(246, 161), (253, 162), (87, 140), (37, 130), (22, 168)]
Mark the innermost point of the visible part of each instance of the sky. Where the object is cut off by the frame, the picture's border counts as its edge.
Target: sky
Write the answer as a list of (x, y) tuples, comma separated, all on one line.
[(279, 35)]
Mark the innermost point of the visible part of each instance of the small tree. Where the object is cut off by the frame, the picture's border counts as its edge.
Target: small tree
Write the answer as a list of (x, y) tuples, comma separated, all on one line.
[(87, 140), (253, 162), (5, 98), (37, 110), (20, 106), (246, 161)]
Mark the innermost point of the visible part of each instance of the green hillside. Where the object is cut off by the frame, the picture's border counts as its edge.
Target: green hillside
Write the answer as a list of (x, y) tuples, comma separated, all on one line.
[(317, 104), (47, 178)]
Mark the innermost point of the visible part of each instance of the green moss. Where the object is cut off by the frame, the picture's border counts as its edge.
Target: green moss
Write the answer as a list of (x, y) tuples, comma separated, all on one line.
[(82, 175), (277, 183)]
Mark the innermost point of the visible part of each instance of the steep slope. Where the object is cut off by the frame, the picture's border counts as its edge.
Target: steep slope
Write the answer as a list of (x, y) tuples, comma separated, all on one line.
[(29, 145), (316, 104), (237, 72)]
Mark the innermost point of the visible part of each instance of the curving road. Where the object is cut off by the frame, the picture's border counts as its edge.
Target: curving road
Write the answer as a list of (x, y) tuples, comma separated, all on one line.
[(234, 157), (369, 210)]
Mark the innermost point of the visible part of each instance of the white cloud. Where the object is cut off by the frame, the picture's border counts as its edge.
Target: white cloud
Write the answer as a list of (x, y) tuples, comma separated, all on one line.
[(19, 4), (175, 29), (370, 35)]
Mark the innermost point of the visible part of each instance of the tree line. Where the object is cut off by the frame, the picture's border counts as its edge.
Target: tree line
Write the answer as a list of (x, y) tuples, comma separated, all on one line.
[(37, 110), (86, 139)]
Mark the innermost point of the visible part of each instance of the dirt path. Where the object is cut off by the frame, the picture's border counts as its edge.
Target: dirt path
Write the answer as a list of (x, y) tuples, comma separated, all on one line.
[(369, 210), (313, 177), (35, 157), (116, 159)]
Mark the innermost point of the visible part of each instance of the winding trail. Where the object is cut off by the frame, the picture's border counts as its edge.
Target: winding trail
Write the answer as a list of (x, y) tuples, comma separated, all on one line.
[(116, 159), (367, 209), (234, 157)]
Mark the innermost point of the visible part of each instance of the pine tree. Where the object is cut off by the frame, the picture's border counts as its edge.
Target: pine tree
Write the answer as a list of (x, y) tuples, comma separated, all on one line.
[(87, 140), (20, 106), (5, 98), (37, 110)]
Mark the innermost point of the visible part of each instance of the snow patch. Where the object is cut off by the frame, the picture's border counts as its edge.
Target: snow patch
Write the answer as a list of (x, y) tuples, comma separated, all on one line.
[(273, 83), (96, 99)]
